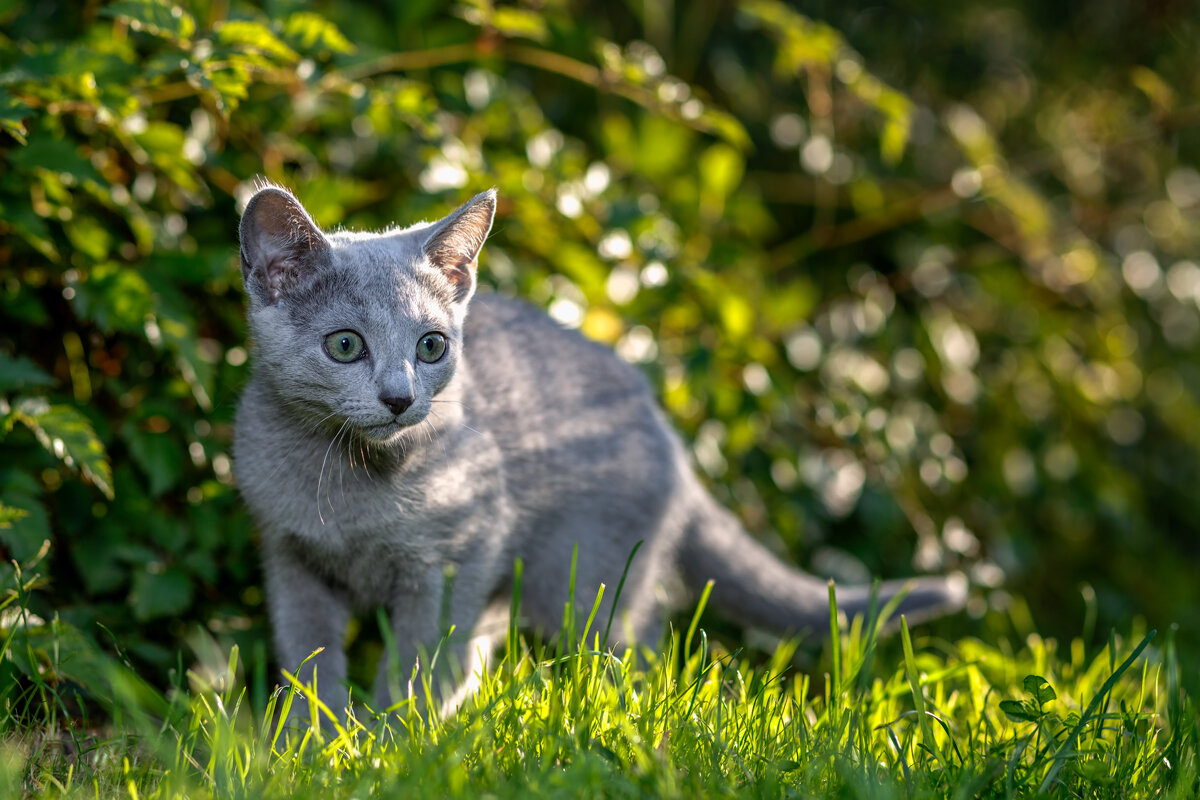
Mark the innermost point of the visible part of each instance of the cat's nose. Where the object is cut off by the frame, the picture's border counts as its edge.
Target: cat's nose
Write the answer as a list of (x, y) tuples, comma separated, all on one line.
[(396, 403)]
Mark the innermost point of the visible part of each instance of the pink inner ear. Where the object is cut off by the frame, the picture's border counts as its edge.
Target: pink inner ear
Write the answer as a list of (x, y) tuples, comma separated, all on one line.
[(456, 247), (282, 240), (284, 272), (460, 273), (283, 218)]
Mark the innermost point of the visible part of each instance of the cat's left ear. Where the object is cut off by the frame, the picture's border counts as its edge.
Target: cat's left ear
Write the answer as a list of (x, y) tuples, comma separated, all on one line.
[(282, 248), (454, 242)]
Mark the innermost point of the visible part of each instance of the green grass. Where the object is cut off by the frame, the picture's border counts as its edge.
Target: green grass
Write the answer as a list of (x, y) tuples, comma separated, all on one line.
[(908, 718)]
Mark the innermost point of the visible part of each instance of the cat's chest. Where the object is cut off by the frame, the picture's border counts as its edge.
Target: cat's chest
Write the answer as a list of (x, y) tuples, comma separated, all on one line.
[(350, 509)]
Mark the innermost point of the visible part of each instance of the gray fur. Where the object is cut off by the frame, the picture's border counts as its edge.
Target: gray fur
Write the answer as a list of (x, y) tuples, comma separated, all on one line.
[(524, 440)]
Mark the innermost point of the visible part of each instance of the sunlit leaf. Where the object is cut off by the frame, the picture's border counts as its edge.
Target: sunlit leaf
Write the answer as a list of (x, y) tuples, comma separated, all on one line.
[(155, 17), (1040, 689), (13, 114), (518, 22), (116, 298), (894, 139), (89, 236), (10, 514), (68, 434), (721, 170), (311, 32), (247, 34), (164, 143), (178, 333)]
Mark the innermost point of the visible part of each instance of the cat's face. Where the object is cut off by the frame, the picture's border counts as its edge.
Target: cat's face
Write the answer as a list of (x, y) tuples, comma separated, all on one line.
[(359, 333)]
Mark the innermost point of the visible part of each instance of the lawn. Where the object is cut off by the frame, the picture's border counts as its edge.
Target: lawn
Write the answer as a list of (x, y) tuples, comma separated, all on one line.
[(898, 716)]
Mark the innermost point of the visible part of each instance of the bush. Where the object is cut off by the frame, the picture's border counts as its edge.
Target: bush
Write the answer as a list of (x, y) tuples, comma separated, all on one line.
[(922, 313)]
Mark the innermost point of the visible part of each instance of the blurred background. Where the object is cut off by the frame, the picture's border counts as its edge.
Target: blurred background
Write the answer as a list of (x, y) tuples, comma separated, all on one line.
[(918, 281)]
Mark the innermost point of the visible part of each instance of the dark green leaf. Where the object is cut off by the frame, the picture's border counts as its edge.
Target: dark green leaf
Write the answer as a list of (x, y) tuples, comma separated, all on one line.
[(1018, 711), (96, 562), (28, 524), (158, 454), (21, 373), (57, 156), (160, 594), (56, 651)]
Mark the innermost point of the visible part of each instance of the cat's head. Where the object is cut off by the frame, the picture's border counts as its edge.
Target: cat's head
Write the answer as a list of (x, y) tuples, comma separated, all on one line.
[(361, 330)]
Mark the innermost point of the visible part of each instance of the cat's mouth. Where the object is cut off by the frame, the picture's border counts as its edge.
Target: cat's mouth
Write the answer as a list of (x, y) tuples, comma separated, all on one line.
[(388, 431)]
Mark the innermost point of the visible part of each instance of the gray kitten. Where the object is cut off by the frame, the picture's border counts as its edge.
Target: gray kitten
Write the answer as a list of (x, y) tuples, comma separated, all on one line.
[(388, 440)]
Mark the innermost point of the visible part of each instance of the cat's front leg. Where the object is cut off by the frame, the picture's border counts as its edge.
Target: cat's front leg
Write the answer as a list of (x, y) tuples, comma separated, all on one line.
[(307, 615), (432, 621)]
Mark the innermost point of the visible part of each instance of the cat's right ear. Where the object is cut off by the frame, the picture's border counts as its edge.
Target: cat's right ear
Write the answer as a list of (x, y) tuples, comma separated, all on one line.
[(454, 242), (281, 247)]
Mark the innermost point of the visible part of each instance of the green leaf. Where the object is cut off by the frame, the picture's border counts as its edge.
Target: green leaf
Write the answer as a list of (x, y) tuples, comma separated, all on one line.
[(33, 229), (95, 560), (1018, 711), (56, 650), (158, 454), (1040, 689), (28, 524), (721, 169), (21, 373), (68, 434), (115, 298), (160, 594), (10, 514), (155, 17), (164, 143), (517, 22), (244, 34), (89, 236), (311, 32), (894, 139), (12, 116), (57, 156), (179, 334)]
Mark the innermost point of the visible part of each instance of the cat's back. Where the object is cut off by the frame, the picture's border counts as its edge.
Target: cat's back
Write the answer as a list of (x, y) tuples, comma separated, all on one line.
[(566, 411), (519, 353)]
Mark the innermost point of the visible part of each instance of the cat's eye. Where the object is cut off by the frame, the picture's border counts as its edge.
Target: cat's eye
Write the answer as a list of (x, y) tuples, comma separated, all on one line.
[(345, 346), (431, 347)]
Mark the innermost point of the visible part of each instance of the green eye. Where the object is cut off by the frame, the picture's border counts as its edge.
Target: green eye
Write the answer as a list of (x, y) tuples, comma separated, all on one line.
[(431, 347), (345, 346)]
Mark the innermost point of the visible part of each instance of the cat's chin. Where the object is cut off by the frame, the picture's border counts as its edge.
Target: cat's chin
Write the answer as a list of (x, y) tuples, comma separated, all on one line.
[(387, 433)]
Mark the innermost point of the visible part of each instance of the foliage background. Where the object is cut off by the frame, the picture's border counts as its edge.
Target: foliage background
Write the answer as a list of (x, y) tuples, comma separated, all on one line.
[(916, 281)]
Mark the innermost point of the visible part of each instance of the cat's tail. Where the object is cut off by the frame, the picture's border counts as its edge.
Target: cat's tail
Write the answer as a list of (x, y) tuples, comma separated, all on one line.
[(752, 587)]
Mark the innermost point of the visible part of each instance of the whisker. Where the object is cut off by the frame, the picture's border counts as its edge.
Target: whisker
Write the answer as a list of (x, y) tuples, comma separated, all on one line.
[(321, 473), (462, 424), (439, 437)]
